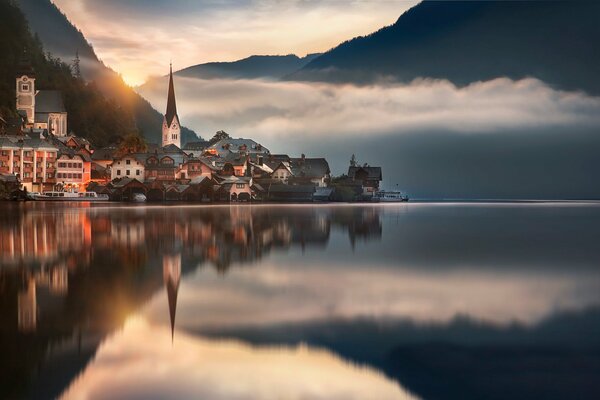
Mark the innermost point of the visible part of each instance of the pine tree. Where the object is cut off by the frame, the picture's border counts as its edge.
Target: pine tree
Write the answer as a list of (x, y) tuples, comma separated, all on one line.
[(76, 66)]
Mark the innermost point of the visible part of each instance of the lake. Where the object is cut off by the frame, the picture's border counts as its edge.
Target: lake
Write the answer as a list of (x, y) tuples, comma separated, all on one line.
[(398, 301)]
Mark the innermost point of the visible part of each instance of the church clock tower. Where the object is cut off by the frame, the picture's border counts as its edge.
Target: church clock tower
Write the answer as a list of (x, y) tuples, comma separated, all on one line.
[(25, 89), (171, 131)]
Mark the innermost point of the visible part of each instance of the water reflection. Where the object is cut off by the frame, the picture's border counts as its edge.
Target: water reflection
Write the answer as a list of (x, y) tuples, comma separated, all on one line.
[(405, 300)]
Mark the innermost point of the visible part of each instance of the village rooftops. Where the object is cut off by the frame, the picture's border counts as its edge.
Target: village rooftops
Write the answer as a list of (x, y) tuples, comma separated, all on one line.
[(26, 143), (239, 145), (309, 167)]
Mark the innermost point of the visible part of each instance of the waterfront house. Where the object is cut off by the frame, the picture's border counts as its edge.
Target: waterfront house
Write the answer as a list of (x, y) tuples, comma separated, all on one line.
[(369, 178), (74, 170), (32, 161)]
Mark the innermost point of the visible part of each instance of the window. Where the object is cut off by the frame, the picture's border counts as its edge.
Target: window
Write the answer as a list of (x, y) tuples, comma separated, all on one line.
[(70, 176), (118, 172), (49, 176), (137, 172), (69, 165), (4, 152), (128, 162), (61, 165), (240, 185), (127, 173), (24, 87), (49, 165), (174, 137), (26, 174)]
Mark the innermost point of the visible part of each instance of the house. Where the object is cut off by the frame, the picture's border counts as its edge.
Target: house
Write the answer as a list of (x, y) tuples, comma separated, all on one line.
[(200, 188), (130, 165), (282, 172), (196, 167), (32, 161), (104, 156), (50, 112), (74, 170), (163, 167), (234, 188), (125, 188), (310, 170), (369, 177)]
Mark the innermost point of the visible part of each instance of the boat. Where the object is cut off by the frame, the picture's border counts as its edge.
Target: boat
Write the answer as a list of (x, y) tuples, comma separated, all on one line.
[(391, 196), (138, 198), (70, 196)]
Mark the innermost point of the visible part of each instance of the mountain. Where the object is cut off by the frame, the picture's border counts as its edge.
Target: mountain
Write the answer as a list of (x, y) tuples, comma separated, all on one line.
[(91, 114), (62, 39), (464, 42), (253, 67)]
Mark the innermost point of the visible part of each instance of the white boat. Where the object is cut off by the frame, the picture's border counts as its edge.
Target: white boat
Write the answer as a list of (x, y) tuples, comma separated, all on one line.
[(383, 196), (138, 198), (70, 196)]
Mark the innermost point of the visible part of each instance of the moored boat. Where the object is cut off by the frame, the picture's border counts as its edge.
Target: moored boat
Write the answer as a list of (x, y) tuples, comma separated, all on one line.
[(138, 198), (383, 196), (70, 196)]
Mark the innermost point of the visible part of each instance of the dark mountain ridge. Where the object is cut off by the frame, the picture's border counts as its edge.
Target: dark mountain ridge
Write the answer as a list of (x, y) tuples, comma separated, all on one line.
[(61, 38), (464, 41), (253, 67)]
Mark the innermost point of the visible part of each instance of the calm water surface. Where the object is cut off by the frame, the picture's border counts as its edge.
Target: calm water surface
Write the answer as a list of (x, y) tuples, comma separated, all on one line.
[(432, 301)]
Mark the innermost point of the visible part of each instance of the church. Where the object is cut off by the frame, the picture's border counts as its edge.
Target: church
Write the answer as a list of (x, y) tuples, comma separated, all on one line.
[(171, 130), (41, 109)]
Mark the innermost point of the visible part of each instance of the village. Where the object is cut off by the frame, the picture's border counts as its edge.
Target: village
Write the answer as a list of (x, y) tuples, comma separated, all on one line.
[(38, 154)]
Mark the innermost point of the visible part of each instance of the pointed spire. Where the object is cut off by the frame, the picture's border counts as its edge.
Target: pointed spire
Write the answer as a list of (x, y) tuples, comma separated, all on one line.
[(172, 289), (171, 105)]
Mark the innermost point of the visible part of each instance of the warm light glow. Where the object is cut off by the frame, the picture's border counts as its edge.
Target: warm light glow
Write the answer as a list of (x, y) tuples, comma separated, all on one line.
[(192, 367), (138, 39)]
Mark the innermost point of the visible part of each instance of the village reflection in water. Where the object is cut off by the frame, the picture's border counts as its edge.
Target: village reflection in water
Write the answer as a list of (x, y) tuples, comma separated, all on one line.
[(90, 288)]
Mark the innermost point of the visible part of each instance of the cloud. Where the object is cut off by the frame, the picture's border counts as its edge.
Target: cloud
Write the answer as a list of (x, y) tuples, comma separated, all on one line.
[(192, 32), (433, 138), (191, 367), (288, 292)]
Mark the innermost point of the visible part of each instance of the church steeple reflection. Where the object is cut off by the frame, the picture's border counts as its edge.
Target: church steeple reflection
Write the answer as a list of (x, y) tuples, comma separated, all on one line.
[(171, 278)]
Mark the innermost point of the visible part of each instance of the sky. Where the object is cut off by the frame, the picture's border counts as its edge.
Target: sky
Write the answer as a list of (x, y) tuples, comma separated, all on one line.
[(138, 38), (497, 139)]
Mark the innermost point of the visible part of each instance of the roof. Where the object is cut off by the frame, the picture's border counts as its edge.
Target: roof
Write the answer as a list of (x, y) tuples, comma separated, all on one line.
[(310, 167), (171, 104), (49, 101), (233, 145), (124, 182), (171, 148), (8, 178), (105, 153), (198, 145), (373, 173), (26, 143)]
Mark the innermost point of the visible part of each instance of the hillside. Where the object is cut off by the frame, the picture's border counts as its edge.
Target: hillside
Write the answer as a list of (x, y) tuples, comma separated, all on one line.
[(253, 67), (63, 40), (91, 115), (557, 42)]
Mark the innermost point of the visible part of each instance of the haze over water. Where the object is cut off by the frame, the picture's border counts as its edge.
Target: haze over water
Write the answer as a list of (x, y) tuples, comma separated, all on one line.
[(418, 300)]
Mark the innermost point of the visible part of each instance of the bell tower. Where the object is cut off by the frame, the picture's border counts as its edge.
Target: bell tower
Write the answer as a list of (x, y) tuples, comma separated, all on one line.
[(171, 131), (25, 88)]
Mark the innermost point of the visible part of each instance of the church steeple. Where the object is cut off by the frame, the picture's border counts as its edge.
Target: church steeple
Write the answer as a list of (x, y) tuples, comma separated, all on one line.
[(171, 104), (171, 131)]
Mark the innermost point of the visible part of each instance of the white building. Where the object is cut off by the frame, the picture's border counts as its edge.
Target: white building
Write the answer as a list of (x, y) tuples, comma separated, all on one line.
[(43, 109), (127, 167)]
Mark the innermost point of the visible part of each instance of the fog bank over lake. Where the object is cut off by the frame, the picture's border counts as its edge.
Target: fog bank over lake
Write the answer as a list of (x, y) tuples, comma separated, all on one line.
[(495, 139)]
